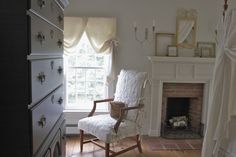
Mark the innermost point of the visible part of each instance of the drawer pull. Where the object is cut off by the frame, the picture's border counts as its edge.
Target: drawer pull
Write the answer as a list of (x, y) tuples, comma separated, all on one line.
[(41, 77), (60, 19), (51, 33), (41, 3), (52, 99), (59, 43), (52, 65), (64, 137), (60, 100), (59, 70), (40, 37), (42, 122)]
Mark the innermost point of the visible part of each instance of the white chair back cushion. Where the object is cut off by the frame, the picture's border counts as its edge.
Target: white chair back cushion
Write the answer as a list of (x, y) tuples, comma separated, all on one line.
[(129, 89)]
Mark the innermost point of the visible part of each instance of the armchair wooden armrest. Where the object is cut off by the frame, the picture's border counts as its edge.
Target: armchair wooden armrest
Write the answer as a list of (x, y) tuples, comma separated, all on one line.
[(95, 105), (116, 126)]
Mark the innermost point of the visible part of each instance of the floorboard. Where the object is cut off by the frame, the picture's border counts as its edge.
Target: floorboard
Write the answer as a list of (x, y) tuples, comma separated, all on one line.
[(91, 150)]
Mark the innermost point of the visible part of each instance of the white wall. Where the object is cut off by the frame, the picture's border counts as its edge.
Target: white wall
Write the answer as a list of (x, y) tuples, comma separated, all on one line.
[(132, 54)]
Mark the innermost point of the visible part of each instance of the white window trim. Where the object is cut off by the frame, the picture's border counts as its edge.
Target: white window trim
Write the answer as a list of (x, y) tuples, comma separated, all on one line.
[(70, 108)]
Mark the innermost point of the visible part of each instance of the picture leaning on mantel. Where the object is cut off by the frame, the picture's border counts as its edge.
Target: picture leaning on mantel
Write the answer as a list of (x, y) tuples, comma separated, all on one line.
[(206, 49), (162, 42), (172, 50)]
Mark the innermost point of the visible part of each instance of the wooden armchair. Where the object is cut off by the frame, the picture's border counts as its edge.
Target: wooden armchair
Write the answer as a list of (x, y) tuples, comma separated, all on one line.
[(110, 130)]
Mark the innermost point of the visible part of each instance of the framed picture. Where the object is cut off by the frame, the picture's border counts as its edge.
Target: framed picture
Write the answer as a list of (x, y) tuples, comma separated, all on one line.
[(172, 50), (162, 40), (206, 49)]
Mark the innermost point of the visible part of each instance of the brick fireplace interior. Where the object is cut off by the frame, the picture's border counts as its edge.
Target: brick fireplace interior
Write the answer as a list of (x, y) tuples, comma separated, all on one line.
[(182, 99)]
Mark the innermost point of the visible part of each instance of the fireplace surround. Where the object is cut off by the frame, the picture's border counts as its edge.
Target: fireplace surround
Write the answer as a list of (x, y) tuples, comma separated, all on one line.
[(185, 74)]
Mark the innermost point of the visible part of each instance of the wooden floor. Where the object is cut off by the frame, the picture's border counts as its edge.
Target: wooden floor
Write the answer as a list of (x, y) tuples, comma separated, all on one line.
[(90, 150)]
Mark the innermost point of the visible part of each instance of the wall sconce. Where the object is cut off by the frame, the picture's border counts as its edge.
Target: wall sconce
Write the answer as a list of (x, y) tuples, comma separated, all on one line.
[(145, 33)]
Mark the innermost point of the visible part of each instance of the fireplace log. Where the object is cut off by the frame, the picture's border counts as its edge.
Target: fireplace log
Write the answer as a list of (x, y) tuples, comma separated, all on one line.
[(179, 122)]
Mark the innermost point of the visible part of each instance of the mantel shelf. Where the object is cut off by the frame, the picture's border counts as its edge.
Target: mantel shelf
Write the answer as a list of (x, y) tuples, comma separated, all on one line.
[(181, 59)]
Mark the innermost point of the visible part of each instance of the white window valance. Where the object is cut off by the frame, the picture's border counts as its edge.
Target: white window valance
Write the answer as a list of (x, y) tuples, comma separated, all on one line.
[(101, 32)]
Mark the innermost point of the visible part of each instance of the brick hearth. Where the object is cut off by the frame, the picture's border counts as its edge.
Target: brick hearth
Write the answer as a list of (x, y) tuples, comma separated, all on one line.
[(194, 91)]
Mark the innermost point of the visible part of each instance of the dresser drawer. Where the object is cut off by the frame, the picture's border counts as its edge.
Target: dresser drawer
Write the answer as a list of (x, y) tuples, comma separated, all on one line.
[(57, 16), (46, 75), (45, 38), (44, 117), (50, 10)]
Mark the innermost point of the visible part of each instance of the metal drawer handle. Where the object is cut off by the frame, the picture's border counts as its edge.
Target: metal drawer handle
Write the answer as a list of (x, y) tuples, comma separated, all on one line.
[(42, 122), (41, 77), (41, 3), (52, 65), (51, 33), (52, 99), (60, 18), (40, 37), (59, 70), (59, 43), (60, 100), (64, 137)]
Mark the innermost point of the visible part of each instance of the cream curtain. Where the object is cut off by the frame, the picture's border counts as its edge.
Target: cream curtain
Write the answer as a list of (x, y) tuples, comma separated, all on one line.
[(101, 33), (223, 100), (74, 28)]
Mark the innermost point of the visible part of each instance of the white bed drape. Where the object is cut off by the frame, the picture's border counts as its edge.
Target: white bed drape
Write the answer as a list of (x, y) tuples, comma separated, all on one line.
[(223, 99), (101, 32)]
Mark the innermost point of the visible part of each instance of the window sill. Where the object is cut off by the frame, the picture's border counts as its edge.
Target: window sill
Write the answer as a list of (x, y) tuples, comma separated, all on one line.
[(83, 111)]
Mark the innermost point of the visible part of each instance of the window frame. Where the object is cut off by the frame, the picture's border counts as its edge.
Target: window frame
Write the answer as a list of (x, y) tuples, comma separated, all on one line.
[(72, 106)]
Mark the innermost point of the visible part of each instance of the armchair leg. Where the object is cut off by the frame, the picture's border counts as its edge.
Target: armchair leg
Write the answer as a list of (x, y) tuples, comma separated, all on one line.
[(107, 149), (139, 144), (81, 140)]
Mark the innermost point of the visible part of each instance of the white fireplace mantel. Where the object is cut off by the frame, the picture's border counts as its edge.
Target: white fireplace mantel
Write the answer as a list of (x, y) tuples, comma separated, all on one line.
[(177, 70)]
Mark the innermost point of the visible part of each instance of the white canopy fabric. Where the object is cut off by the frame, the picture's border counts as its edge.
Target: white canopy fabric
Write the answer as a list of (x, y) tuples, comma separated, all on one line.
[(222, 100), (101, 32)]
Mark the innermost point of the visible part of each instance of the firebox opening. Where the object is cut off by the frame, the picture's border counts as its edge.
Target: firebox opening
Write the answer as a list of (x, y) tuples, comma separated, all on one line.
[(178, 120), (177, 115)]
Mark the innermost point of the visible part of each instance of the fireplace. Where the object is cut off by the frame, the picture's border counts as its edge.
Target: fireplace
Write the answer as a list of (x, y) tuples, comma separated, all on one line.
[(182, 110), (182, 72)]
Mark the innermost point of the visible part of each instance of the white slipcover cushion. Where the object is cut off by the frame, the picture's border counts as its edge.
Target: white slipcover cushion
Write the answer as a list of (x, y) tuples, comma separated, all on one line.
[(102, 126), (129, 89)]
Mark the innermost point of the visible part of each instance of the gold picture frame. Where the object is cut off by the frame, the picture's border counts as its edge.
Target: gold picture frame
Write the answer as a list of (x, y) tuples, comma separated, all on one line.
[(162, 41), (206, 49), (172, 50)]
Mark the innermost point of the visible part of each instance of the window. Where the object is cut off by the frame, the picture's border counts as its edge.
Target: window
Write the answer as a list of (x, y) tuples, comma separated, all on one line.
[(86, 74)]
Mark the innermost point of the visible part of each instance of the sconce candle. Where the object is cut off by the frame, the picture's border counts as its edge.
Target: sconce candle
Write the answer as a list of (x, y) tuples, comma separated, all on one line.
[(135, 25), (145, 32), (153, 25)]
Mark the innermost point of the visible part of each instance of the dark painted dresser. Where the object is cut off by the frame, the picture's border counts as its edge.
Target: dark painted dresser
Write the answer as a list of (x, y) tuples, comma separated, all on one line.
[(32, 121)]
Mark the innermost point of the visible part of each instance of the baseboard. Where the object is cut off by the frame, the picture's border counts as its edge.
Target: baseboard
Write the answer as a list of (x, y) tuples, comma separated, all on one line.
[(72, 130), (154, 133)]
